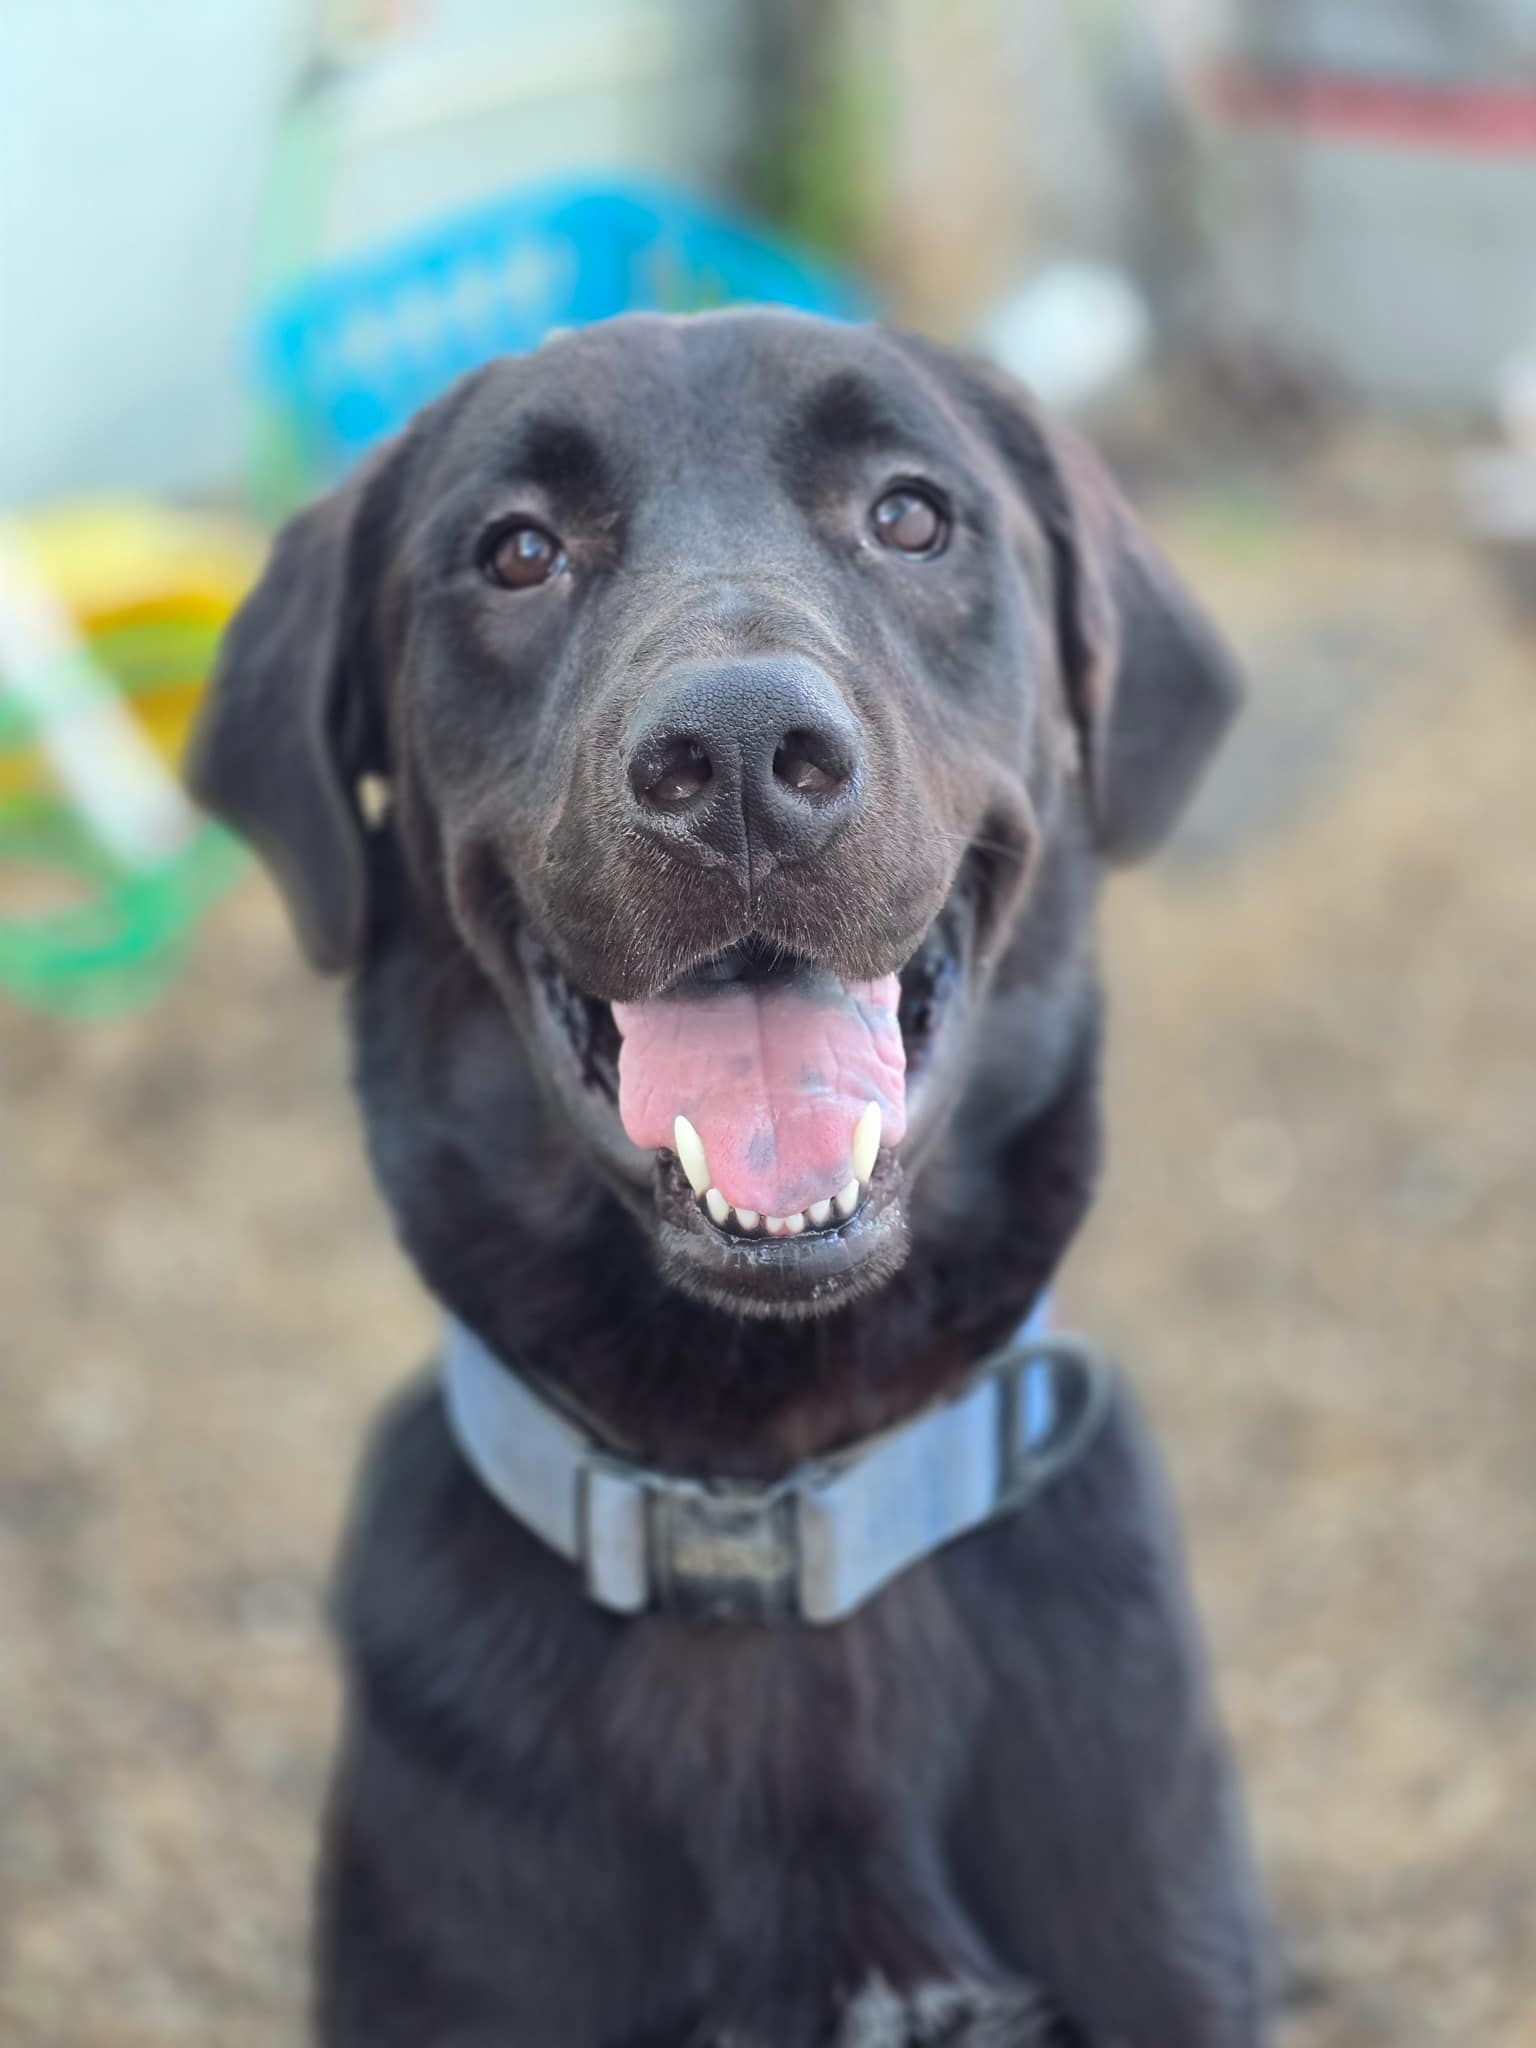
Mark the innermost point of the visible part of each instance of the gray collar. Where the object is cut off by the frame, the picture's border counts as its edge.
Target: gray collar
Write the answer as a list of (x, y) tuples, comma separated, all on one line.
[(810, 1547)]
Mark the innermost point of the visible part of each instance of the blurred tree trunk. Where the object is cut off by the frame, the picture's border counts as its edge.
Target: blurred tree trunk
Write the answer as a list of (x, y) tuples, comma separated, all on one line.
[(797, 166), (956, 205), (946, 150), (886, 135)]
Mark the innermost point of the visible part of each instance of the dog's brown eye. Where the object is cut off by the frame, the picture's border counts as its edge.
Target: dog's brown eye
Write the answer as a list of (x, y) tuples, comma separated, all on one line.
[(910, 521), (517, 557)]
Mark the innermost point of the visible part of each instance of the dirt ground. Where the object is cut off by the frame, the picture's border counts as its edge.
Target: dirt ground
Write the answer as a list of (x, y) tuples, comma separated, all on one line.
[(1314, 1250)]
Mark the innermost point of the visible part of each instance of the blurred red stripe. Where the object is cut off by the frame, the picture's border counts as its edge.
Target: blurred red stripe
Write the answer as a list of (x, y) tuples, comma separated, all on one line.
[(1485, 120)]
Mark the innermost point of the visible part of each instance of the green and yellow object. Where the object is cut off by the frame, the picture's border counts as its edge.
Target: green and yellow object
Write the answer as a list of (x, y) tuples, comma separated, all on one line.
[(110, 617)]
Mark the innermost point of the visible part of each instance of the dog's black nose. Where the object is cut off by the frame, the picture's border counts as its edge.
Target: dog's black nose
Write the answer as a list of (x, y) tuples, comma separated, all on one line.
[(755, 755)]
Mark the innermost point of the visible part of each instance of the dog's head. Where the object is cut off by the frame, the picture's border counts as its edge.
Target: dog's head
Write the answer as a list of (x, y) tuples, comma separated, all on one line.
[(733, 680)]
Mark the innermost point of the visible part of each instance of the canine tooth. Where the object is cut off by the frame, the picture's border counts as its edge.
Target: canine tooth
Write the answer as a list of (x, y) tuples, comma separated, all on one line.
[(866, 1142), (846, 1200), (719, 1208), (690, 1154), (774, 1225), (796, 1223), (818, 1214), (747, 1219)]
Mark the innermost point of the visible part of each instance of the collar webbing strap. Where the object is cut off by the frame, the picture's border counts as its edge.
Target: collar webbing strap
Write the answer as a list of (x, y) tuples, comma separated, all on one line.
[(814, 1545)]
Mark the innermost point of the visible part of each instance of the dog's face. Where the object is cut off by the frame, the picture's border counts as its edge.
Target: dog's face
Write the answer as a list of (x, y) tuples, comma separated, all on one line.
[(733, 679)]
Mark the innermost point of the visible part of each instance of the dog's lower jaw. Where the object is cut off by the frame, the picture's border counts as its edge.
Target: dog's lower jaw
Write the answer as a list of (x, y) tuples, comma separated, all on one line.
[(797, 1280), (822, 1299)]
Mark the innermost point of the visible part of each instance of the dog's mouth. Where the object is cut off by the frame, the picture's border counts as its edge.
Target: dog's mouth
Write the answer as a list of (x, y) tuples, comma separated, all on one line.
[(773, 1084), (779, 1105)]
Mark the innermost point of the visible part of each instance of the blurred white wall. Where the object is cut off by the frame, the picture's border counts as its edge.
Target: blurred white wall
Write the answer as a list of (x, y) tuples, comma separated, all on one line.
[(1397, 245), (153, 181), (135, 146), (476, 96)]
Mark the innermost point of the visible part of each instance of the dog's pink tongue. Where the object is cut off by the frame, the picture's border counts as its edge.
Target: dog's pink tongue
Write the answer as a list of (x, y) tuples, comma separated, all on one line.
[(773, 1077)]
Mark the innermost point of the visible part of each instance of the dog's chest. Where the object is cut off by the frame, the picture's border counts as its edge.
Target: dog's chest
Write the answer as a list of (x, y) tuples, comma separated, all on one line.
[(727, 1727), (809, 1780)]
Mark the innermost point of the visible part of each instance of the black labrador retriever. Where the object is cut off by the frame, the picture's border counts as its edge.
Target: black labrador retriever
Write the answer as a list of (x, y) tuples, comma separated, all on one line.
[(698, 741)]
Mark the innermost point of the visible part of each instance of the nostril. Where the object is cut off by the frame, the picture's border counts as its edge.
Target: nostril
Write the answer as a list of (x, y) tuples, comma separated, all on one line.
[(672, 775), (809, 766)]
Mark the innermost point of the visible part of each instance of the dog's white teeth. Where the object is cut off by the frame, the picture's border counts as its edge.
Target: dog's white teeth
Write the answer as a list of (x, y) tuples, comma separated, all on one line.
[(690, 1156), (815, 1216), (866, 1143)]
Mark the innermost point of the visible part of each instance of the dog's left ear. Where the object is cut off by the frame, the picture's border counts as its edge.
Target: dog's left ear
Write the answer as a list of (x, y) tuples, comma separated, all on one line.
[(1150, 682)]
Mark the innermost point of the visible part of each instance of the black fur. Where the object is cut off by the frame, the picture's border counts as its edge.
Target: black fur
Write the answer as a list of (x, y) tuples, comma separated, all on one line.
[(994, 1807)]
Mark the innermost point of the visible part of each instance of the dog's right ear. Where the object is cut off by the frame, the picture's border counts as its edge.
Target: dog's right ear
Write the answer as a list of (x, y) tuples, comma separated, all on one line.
[(282, 739)]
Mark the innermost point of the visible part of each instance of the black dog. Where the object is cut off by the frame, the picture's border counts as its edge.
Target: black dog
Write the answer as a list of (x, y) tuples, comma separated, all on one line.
[(699, 741)]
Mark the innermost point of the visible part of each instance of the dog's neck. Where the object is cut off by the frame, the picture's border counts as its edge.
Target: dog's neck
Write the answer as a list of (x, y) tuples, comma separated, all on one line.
[(515, 1233)]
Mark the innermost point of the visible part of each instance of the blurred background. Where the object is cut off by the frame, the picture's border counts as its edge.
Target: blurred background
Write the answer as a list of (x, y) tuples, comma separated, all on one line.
[(1280, 259)]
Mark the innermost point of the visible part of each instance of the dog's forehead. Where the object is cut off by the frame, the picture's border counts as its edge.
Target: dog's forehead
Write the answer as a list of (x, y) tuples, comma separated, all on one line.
[(707, 388)]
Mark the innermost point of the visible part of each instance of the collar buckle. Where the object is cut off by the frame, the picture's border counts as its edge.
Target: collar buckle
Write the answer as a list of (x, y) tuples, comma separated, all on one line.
[(710, 1551)]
